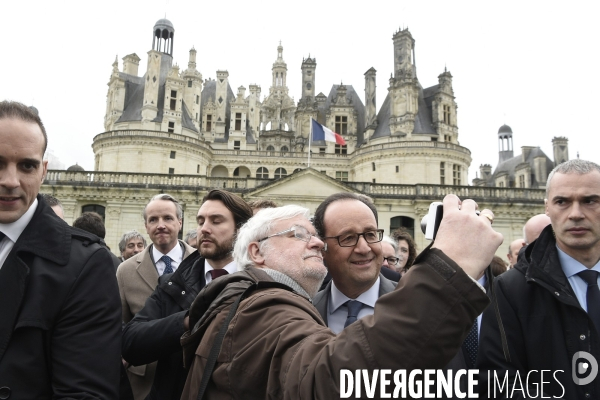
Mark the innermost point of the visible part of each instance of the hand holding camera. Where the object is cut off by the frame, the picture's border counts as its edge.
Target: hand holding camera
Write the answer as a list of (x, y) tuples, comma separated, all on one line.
[(466, 235)]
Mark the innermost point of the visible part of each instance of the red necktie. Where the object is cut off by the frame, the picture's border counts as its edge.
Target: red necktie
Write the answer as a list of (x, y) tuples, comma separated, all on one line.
[(215, 273)]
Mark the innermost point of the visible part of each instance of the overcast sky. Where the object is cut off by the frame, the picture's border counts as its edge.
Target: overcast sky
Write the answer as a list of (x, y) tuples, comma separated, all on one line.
[(532, 65)]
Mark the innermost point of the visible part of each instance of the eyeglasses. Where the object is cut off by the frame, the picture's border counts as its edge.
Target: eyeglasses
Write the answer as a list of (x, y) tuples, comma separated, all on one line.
[(351, 239), (299, 233), (391, 260)]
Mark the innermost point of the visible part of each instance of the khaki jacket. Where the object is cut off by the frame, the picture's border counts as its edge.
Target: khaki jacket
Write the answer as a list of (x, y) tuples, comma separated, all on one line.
[(277, 345)]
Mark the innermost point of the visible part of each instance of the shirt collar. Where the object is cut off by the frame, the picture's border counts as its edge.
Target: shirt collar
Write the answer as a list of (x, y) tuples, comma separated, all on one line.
[(230, 268), (571, 266), (482, 280), (176, 253), (368, 298), (14, 229)]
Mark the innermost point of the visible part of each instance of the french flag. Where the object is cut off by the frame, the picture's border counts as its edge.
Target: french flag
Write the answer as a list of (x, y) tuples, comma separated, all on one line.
[(320, 132)]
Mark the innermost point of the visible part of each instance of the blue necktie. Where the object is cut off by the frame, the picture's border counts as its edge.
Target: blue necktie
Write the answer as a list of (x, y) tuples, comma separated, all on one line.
[(592, 295), (354, 307), (167, 261), (471, 343)]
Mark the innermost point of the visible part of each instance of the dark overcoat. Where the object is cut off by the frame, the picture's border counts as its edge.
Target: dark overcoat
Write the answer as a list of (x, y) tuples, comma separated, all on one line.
[(60, 314)]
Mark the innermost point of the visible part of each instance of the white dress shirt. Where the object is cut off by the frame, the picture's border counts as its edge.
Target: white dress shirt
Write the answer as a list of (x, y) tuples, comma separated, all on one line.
[(176, 255), (230, 268), (571, 267), (14, 230), (337, 312)]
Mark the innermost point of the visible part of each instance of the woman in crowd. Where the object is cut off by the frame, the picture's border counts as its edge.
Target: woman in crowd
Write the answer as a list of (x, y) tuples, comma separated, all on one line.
[(407, 251)]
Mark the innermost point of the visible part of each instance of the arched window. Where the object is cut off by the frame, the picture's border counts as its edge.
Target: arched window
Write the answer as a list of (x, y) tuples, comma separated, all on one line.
[(220, 171), (241, 172), (262, 173), (94, 208), (297, 170), (403, 222), (284, 149), (280, 173), (270, 148)]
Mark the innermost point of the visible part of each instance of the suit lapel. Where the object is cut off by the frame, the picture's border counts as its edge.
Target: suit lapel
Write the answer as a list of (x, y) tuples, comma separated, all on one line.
[(13, 283), (385, 285), (146, 268), (322, 300)]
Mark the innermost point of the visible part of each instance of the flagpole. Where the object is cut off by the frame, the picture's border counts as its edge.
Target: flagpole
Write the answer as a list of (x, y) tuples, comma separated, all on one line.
[(310, 141)]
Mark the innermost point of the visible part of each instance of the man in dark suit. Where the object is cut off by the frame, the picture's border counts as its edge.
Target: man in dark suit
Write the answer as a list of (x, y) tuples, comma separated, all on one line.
[(59, 306), (154, 333), (354, 258)]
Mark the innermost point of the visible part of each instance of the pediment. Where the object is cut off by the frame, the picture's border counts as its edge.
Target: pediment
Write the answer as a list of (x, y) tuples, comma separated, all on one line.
[(304, 185)]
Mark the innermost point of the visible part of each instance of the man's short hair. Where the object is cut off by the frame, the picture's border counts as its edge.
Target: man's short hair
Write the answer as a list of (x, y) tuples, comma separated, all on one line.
[(576, 166), (51, 200), (239, 208), (127, 236), (16, 110), (192, 233), (259, 227), (262, 203), (318, 219), (166, 197), (392, 242), (91, 222)]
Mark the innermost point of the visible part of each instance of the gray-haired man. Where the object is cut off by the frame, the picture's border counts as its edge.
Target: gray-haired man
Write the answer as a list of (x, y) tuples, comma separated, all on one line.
[(131, 243)]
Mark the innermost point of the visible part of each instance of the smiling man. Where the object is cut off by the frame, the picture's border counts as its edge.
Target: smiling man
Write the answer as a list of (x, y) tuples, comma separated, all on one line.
[(549, 302), (154, 332), (138, 275), (59, 309), (276, 345), (354, 258)]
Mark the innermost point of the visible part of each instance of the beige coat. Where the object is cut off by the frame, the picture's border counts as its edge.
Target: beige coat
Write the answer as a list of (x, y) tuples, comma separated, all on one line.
[(137, 278)]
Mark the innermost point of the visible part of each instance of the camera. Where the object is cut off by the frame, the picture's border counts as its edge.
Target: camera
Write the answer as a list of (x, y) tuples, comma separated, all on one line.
[(431, 222)]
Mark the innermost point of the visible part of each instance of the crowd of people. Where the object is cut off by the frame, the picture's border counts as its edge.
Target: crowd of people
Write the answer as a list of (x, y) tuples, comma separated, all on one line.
[(269, 301)]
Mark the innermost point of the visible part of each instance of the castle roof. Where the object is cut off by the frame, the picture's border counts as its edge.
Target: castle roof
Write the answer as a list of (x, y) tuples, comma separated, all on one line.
[(134, 96), (509, 166)]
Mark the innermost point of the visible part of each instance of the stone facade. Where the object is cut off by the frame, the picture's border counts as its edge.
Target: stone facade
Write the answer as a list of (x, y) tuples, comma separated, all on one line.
[(122, 197), (170, 131), (189, 126)]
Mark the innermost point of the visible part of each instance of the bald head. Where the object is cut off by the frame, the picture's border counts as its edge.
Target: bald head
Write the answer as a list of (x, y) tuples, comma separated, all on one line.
[(534, 227), (513, 251)]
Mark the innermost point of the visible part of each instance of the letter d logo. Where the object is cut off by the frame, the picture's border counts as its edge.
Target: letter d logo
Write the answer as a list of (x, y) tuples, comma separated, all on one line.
[(583, 367)]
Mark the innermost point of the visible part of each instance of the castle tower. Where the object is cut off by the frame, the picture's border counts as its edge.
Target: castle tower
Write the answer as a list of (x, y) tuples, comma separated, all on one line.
[(162, 52), (404, 86), (115, 98), (444, 109), (561, 149), (193, 89), (221, 102), (309, 67), (505, 143), (164, 33), (279, 70), (254, 105), (404, 55), (370, 100)]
